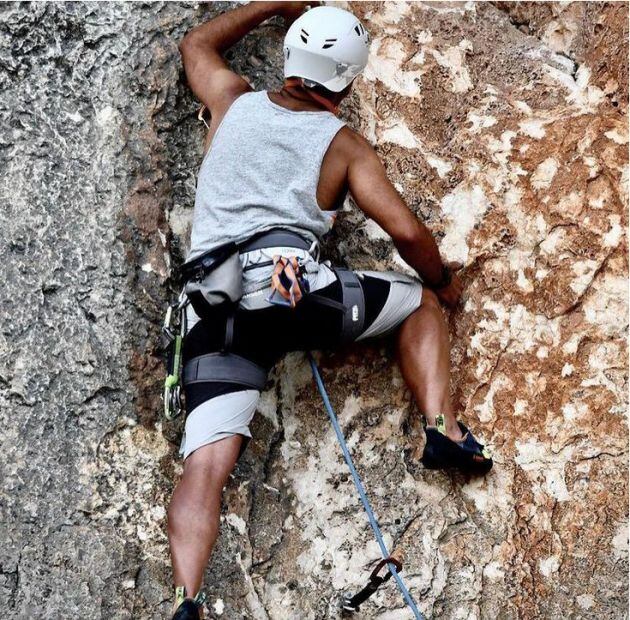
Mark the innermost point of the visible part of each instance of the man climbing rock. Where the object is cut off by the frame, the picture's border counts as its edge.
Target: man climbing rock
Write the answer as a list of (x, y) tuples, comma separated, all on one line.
[(278, 166)]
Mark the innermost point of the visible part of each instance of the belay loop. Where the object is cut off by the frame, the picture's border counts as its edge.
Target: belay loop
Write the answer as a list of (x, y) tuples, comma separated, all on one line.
[(387, 559)]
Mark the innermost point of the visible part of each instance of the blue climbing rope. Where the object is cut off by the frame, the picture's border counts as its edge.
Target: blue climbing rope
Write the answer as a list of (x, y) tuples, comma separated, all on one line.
[(359, 485)]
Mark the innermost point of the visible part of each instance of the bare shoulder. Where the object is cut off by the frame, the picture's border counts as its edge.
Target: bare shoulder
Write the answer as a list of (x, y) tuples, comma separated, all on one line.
[(352, 139), (352, 145), (227, 88)]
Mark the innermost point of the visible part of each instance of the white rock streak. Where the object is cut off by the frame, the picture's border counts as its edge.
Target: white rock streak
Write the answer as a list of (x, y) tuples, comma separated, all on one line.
[(462, 209)]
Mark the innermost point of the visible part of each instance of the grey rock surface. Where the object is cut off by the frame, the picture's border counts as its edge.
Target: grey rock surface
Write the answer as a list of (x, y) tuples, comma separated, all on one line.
[(485, 106)]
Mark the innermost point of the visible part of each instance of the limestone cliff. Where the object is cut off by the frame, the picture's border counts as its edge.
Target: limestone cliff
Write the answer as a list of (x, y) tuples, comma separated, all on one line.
[(504, 126)]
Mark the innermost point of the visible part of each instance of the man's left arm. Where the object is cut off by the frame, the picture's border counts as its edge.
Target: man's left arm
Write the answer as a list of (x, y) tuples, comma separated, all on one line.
[(378, 199)]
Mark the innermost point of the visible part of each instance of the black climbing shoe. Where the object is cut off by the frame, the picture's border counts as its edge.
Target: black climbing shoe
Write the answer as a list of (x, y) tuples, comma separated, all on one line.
[(187, 608), (468, 455)]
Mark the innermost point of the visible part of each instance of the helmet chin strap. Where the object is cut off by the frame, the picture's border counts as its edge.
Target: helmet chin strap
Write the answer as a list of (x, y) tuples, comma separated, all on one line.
[(329, 105)]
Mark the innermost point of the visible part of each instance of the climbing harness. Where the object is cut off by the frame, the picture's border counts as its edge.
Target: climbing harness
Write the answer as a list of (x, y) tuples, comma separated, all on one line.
[(209, 281), (174, 330), (387, 559), (226, 368)]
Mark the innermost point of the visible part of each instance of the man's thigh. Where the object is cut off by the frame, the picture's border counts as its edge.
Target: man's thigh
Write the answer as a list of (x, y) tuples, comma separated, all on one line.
[(216, 414), (388, 299), (404, 296)]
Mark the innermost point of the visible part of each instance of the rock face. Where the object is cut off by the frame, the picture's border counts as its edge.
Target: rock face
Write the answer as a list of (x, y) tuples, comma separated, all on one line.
[(504, 127)]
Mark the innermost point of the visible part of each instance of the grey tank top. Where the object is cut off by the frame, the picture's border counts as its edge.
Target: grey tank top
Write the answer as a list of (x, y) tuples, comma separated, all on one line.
[(261, 172)]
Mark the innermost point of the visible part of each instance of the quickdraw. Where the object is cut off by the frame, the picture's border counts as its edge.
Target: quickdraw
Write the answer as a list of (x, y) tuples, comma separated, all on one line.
[(174, 330), (351, 603), (392, 564)]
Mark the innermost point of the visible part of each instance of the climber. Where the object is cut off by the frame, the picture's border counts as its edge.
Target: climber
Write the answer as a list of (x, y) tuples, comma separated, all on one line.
[(277, 168)]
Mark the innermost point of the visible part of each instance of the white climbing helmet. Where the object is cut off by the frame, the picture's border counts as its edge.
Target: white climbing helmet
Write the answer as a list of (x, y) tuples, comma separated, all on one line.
[(326, 45)]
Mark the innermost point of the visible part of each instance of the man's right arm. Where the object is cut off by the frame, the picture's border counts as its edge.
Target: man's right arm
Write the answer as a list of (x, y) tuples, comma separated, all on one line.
[(378, 199), (202, 49)]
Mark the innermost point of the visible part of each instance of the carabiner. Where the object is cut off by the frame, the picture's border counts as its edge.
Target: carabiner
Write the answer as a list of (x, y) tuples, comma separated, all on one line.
[(350, 604)]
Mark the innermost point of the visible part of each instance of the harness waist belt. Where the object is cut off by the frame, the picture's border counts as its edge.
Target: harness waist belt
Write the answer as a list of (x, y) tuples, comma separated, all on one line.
[(226, 368), (198, 267), (210, 260), (274, 238)]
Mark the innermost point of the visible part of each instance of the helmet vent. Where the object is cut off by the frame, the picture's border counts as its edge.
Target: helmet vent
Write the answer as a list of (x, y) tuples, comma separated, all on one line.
[(328, 43), (357, 30), (304, 36)]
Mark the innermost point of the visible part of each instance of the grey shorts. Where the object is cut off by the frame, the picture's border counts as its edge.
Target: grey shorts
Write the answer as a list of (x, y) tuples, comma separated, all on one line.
[(216, 411)]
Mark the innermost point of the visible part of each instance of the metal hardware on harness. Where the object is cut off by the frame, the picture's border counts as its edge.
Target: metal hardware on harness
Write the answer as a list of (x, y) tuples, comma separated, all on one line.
[(362, 495), (174, 329), (351, 603)]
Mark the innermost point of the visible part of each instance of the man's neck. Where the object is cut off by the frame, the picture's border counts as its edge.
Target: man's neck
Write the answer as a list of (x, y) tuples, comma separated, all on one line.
[(293, 98)]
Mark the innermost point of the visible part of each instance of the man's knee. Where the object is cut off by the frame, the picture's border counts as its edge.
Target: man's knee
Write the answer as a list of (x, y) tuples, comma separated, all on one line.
[(430, 300), (206, 472), (213, 463)]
